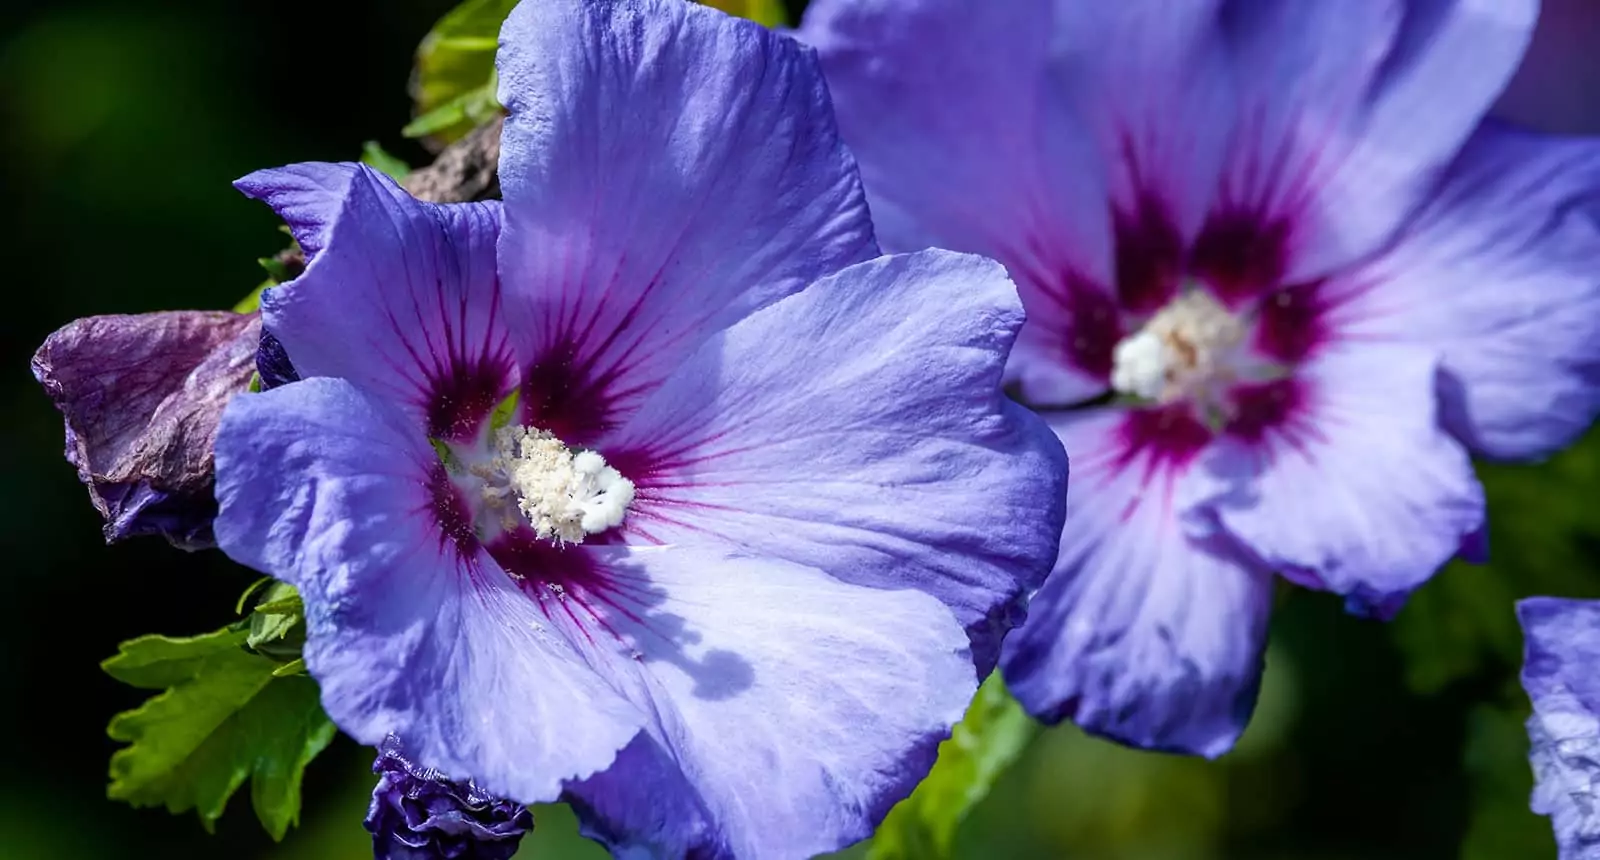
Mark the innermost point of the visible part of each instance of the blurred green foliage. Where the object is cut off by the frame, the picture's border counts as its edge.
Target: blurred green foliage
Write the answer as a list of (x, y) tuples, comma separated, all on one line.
[(767, 12), (991, 736), (453, 85), (375, 156), (1543, 534), (454, 81), (1496, 761)]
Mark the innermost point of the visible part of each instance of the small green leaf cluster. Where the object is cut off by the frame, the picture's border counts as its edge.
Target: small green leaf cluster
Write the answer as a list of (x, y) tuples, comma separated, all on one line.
[(453, 88), (234, 705), (281, 267)]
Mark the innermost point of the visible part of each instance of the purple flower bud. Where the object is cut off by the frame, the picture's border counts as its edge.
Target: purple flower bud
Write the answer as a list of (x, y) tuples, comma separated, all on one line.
[(418, 813), (142, 395), (272, 363)]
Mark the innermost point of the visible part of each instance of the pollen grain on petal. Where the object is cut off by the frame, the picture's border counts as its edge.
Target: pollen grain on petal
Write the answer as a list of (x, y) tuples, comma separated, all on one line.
[(560, 394), (570, 585), (452, 513), (463, 395)]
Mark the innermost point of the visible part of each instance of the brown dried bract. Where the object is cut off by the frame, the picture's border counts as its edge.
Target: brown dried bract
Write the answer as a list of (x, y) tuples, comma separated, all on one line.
[(466, 170)]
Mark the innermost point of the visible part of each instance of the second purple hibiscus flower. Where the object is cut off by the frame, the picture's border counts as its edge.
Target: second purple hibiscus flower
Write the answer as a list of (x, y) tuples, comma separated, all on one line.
[(1559, 673), (1282, 281), (721, 574)]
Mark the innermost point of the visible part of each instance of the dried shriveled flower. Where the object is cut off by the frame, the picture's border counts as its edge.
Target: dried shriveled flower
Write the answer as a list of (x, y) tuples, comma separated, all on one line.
[(418, 813), (142, 395)]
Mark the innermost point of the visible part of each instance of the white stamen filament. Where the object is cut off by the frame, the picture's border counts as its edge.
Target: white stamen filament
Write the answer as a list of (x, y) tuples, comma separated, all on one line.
[(1183, 351), (565, 495)]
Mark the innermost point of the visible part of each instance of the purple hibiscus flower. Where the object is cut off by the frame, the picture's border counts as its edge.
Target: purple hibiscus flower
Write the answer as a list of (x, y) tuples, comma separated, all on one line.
[(720, 572), (1282, 279), (1559, 673), (418, 813)]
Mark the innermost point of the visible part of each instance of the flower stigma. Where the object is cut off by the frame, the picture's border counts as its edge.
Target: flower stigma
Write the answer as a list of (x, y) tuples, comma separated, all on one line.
[(1188, 351), (565, 495)]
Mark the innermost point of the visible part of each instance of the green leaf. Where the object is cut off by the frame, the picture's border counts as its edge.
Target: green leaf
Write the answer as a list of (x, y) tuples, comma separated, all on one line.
[(1541, 528), (277, 625), (467, 111), (452, 89), (505, 410), (223, 718), (447, 457), (252, 302), (263, 582), (281, 599), (280, 267), (991, 736), (277, 270), (765, 12), (375, 156)]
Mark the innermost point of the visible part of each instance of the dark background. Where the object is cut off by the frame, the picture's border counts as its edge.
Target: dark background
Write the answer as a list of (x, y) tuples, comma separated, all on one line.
[(122, 123)]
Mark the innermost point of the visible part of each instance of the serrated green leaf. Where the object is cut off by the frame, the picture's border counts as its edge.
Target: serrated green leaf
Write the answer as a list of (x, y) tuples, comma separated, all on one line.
[(375, 156), (452, 85), (157, 662), (1542, 527), (223, 718), (765, 12), (988, 740)]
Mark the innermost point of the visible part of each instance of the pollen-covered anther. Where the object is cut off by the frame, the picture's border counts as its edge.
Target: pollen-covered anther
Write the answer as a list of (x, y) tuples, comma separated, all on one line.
[(1183, 351), (565, 495)]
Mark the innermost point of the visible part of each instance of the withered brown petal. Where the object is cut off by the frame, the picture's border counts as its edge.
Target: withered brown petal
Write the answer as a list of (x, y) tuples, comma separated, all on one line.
[(142, 395)]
